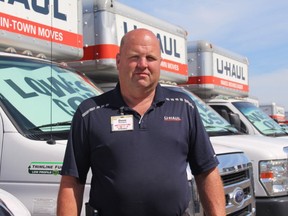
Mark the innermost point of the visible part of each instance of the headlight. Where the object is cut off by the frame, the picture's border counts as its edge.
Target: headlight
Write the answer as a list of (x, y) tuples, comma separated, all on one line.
[(274, 177)]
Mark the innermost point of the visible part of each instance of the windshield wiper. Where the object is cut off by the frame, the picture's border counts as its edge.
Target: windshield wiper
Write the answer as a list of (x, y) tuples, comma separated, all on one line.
[(274, 132), (227, 128), (64, 123)]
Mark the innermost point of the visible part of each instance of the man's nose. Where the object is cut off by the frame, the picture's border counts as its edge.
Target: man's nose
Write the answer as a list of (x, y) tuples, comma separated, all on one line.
[(142, 63)]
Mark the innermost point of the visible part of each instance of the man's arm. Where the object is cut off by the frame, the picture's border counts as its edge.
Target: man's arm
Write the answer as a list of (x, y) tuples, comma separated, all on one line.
[(70, 196), (211, 192)]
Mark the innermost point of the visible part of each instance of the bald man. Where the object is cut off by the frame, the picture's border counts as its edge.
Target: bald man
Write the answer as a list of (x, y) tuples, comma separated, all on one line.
[(138, 140)]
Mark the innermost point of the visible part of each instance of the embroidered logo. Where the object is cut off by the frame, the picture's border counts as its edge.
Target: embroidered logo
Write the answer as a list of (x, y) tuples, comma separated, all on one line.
[(172, 118)]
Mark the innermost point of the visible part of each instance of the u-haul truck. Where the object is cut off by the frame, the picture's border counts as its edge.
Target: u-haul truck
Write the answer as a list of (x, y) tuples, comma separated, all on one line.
[(38, 96), (104, 24), (220, 78), (213, 71), (275, 111)]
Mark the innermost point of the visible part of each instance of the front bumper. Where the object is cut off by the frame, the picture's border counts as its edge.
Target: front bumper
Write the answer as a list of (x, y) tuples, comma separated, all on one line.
[(272, 206)]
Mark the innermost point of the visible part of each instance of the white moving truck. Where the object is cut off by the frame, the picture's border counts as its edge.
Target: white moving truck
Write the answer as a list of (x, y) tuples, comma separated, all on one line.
[(275, 111), (104, 24), (220, 78), (38, 97)]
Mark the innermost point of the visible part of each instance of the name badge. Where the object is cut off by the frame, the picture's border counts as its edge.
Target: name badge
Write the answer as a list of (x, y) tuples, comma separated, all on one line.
[(122, 123)]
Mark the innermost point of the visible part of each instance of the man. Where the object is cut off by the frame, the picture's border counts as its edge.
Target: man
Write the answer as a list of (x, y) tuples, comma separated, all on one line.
[(137, 140)]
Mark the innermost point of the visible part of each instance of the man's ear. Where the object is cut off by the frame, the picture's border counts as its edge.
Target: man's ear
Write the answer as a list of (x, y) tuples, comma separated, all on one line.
[(117, 58)]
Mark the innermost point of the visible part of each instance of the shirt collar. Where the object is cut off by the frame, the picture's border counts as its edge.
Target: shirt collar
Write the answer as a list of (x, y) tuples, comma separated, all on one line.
[(118, 101)]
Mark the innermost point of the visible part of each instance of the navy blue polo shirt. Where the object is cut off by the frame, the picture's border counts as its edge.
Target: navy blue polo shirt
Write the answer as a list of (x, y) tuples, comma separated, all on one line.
[(140, 171)]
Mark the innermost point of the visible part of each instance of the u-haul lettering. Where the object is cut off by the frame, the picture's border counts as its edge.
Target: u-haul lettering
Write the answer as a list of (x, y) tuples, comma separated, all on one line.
[(41, 7), (230, 69), (173, 47), (226, 72), (168, 44), (47, 20), (28, 28), (50, 20), (230, 73)]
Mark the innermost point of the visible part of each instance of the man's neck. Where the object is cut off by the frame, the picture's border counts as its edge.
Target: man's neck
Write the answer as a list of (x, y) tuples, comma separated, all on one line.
[(139, 101)]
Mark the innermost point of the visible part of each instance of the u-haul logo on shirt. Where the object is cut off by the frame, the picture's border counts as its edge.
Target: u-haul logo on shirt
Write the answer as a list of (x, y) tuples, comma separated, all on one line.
[(172, 118)]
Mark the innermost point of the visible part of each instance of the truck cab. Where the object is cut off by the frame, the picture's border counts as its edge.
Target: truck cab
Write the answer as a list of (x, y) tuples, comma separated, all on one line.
[(251, 119)]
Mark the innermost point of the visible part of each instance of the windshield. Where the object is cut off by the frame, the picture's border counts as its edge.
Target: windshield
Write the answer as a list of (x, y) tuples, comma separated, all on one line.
[(261, 121), (213, 122), (39, 96)]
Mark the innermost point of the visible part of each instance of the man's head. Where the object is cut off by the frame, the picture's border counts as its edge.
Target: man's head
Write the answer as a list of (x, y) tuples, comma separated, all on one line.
[(138, 61)]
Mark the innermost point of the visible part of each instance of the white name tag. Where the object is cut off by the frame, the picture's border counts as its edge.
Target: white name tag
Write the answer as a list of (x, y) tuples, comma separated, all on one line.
[(122, 123)]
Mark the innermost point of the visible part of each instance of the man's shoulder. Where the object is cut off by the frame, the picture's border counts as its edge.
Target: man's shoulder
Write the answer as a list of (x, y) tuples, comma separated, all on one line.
[(177, 94), (99, 100), (174, 91)]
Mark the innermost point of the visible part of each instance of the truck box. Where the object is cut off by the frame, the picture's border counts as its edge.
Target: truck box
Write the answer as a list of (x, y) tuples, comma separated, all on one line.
[(214, 70), (275, 111), (104, 24), (52, 29)]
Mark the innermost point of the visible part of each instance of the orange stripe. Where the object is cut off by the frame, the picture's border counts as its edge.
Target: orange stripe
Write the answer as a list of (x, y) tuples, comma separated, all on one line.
[(109, 51), (174, 67), (279, 118), (102, 51), (218, 81), (33, 29)]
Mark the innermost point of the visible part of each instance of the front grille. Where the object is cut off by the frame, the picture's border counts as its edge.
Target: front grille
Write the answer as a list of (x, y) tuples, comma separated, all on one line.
[(242, 212), (236, 177), (247, 193)]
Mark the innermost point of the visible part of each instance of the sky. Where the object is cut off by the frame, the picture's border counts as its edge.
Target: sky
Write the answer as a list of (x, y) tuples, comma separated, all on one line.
[(257, 29)]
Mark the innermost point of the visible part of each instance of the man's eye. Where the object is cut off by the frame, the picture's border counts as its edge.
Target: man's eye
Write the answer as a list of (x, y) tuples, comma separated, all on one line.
[(134, 58), (150, 58)]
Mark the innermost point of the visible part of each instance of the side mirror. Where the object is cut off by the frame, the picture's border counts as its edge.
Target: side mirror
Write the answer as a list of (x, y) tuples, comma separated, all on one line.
[(225, 115), (235, 120)]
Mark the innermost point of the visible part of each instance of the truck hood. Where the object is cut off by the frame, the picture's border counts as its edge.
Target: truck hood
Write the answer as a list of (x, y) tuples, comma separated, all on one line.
[(224, 149), (283, 138), (256, 147)]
